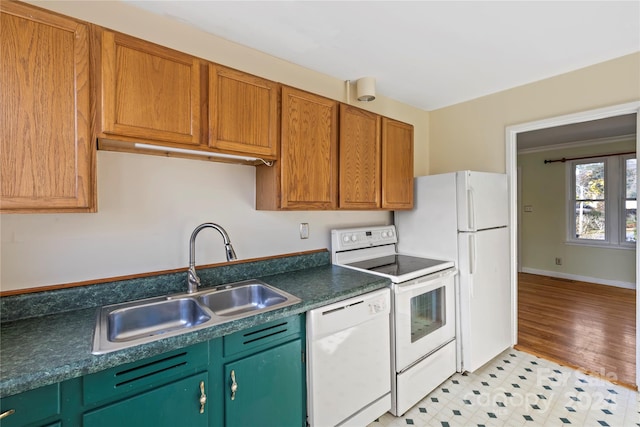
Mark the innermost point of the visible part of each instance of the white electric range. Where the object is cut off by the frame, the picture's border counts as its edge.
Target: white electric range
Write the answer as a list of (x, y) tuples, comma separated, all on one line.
[(423, 314)]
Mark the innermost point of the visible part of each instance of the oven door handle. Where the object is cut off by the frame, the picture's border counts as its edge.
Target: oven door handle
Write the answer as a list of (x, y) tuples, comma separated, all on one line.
[(437, 277)]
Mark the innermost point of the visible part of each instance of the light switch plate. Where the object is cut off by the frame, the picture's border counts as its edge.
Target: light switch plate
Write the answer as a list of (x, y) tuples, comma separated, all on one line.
[(304, 230)]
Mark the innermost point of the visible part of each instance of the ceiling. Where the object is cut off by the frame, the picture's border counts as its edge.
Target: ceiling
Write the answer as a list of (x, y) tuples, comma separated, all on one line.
[(610, 127), (428, 54)]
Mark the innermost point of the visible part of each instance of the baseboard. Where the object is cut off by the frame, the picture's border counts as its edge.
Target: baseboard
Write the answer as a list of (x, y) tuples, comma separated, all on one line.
[(616, 283)]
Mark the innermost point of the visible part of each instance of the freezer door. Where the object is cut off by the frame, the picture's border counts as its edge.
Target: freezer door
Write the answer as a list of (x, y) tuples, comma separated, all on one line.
[(482, 199), (485, 296)]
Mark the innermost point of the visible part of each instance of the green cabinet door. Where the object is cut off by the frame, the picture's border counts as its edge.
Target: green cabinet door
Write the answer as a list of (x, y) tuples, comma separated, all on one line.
[(174, 404), (38, 407), (269, 388)]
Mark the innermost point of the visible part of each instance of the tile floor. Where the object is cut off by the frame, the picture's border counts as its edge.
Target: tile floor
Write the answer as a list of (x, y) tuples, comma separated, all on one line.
[(518, 389)]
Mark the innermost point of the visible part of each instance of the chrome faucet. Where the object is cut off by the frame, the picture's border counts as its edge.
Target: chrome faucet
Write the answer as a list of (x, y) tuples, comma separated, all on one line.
[(193, 281)]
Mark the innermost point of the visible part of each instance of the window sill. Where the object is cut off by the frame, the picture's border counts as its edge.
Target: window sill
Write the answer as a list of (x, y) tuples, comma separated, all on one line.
[(602, 245)]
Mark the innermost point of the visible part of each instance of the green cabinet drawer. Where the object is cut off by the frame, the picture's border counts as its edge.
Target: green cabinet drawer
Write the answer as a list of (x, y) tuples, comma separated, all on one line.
[(171, 405), (137, 377), (32, 407), (266, 334), (270, 388)]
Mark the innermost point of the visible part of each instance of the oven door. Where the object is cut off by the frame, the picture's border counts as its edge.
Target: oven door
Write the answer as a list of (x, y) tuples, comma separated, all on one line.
[(424, 317)]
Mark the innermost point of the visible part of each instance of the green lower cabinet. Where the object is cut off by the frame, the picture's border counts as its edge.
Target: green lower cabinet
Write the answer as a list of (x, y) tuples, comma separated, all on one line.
[(167, 390), (175, 404), (268, 388), (38, 407)]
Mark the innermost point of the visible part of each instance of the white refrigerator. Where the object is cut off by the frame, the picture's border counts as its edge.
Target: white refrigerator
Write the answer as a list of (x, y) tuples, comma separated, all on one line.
[(463, 216)]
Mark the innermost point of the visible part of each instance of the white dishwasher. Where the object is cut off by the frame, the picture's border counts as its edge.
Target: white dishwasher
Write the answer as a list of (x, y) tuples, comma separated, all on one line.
[(349, 361)]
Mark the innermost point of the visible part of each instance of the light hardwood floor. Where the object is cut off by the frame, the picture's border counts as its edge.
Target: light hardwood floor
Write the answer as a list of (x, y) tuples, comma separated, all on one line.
[(583, 325)]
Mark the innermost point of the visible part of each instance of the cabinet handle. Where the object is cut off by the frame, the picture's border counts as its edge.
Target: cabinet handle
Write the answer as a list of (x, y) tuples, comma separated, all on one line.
[(203, 397), (234, 385), (5, 414)]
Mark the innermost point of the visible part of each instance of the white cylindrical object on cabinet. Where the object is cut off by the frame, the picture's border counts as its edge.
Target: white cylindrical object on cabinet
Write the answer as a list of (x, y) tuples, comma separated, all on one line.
[(366, 89)]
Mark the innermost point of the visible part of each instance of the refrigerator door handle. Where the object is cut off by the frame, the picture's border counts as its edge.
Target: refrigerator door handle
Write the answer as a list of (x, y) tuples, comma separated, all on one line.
[(471, 210), (472, 263), (472, 254)]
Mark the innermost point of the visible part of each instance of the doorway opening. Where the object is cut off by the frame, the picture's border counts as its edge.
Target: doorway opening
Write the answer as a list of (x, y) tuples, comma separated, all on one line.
[(519, 134)]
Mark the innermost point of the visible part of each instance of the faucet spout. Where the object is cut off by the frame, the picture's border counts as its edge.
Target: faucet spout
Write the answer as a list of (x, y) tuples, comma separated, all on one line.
[(193, 281)]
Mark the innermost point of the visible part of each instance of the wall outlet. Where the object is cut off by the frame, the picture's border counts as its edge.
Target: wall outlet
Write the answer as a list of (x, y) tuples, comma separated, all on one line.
[(304, 230), (558, 261)]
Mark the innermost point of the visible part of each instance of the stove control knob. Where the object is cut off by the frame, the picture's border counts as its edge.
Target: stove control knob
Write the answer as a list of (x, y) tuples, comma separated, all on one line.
[(345, 238), (390, 233), (354, 238), (384, 234)]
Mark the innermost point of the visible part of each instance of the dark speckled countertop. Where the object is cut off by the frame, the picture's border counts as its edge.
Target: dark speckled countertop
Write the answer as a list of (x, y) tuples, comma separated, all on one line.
[(56, 346)]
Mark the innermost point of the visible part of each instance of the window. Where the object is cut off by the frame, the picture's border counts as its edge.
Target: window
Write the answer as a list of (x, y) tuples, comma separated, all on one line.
[(602, 206)]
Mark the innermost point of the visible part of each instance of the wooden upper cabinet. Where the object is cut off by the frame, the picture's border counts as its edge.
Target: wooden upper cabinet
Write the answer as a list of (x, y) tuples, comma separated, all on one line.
[(397, 165), (360, 159), (243, 113), (306, 175), (47, 158), (147, 92), (309, 158)]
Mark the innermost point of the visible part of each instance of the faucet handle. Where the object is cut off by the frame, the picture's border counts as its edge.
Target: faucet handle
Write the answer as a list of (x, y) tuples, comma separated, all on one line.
[(193, 281)]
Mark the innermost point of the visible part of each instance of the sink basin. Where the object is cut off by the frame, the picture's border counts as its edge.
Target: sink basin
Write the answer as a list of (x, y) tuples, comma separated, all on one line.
[(130, 323), (253, 296), (124, 325)]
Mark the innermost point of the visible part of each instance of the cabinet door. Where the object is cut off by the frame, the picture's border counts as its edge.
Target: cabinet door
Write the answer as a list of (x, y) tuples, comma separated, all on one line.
[(47, 162), (309, 164), (243, 113), (149, 92), (175, 404), (360, 155), (270, 391), (397, 165), (18, 410)]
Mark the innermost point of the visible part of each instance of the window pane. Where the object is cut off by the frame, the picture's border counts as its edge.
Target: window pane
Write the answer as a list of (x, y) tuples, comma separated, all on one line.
[(630, 167), (590, 181), (630, 229), (590, 220)]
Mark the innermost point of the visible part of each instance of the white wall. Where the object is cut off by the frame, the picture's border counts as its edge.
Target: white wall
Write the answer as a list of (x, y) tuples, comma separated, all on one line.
[(147, 208)]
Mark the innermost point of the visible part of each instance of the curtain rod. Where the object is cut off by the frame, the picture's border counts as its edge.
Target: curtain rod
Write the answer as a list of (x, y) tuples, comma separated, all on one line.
[(564, 159)]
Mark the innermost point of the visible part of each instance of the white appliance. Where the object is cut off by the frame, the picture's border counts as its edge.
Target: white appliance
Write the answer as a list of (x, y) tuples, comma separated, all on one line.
[(348, 381), (463, 216), (423, 345)]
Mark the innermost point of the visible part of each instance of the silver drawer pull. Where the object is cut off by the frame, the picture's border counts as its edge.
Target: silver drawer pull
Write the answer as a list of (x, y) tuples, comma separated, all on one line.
[(234, 385), (203, 397), (5, 414)]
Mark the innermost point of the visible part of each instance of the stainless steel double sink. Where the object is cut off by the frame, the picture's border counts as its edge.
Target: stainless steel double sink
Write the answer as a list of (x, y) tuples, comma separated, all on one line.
[(124, 325)]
